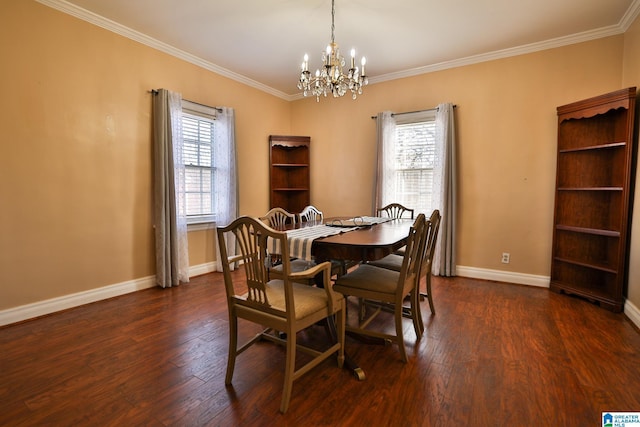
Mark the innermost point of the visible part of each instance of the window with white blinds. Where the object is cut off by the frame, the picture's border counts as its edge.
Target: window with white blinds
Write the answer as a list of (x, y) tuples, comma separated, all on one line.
[(414, 161), (198, 139)]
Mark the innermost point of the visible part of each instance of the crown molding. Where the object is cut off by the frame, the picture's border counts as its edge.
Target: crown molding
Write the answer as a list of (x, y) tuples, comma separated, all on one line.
[(630, 15), (504, 53), (625, 22), (100, 21)]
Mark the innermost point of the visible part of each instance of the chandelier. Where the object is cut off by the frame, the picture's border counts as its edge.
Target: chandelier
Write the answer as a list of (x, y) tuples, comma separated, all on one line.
[(331, 78)]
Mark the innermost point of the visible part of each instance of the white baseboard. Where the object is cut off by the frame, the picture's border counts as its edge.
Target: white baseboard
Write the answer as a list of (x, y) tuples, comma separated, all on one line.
[(197, 270), (632, 312), (41, 308), (503, 276)]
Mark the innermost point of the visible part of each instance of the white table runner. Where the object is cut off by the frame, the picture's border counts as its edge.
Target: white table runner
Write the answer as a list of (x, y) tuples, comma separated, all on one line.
[(301, 239)]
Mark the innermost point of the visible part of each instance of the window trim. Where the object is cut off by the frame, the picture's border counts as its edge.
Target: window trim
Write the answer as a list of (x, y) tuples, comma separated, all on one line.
[(199, 226), (425, 116), (207, 221)]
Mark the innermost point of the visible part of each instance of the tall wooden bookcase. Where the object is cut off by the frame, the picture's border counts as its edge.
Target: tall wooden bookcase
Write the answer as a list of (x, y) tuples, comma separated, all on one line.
[(289, 174), (593, 198)]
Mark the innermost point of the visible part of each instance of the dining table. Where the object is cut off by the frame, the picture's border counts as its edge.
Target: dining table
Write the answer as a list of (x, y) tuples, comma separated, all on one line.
[(358, 239), (346, 238), (368, 242)]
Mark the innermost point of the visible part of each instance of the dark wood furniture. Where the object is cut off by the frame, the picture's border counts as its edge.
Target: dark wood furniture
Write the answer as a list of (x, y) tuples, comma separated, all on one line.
[(365, 244), (388, 289), (289, 174), (594, 198), (395, 210), (394, 262), (283, 306)]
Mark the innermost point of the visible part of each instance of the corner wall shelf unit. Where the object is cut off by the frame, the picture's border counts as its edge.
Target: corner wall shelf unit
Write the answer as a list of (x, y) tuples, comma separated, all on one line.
[(289, 173), (593, 198)]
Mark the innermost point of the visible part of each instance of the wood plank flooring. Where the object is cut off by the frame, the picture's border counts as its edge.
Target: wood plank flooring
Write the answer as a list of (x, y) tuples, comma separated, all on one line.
[(494, 354)]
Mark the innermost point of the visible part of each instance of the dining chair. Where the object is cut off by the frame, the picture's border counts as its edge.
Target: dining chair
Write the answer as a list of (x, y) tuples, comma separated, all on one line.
[(385, 286), (278, 218), (427, 264), (395, 211), (310, 213), (282, 307), (394, 262)]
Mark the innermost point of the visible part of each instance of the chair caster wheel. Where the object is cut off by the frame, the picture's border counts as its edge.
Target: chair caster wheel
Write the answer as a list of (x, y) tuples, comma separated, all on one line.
[(359, 374)]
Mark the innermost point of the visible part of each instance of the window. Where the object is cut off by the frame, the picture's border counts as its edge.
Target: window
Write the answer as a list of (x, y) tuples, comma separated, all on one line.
[(198, 130), (413, 161)]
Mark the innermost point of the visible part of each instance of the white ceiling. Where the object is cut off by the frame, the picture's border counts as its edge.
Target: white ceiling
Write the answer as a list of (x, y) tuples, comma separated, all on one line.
[(262, 42)]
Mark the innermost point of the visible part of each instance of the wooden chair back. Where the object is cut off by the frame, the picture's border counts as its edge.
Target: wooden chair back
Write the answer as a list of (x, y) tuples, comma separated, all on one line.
[(430, 242), (413, 256), (395, 211), (278, 218), (311, 213), (251, 239)]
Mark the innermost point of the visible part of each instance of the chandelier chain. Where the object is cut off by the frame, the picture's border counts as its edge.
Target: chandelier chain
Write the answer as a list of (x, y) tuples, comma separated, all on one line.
[(333, 21)]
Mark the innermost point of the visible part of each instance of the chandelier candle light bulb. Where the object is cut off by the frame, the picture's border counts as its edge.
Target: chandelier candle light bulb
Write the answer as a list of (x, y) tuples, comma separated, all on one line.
[(332, 79)]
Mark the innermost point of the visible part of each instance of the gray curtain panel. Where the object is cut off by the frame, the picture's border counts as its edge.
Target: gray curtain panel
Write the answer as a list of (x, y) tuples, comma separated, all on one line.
[(445, 255), (169, 220)]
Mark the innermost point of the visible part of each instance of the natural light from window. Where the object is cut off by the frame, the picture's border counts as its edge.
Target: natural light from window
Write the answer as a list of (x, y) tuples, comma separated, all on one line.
[(415, 156), (198, 142)]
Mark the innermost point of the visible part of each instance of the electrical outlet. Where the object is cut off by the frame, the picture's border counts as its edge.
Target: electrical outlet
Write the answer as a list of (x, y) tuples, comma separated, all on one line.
[(505, 257)]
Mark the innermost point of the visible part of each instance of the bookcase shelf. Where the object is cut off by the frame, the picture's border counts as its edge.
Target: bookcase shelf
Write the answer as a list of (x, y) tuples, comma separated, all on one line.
[(289, 173), (593, 198)]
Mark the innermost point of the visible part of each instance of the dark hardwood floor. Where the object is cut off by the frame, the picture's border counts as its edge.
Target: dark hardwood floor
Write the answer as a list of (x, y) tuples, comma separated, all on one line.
[(493, 355)]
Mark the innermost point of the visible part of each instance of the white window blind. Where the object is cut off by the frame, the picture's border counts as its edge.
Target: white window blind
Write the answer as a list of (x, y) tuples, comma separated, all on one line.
[(198, 139), (415, 156)]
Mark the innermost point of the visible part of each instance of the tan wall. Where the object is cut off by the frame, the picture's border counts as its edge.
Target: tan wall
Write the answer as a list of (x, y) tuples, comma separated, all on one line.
[(506, 144), (631, 77), (75, 156)]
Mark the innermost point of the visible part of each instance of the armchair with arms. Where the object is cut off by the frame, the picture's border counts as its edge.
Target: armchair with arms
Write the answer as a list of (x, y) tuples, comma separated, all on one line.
[(279, 305)]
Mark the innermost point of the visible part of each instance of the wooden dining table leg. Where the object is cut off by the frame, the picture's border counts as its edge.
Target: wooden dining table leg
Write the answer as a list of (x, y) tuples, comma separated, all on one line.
[(331, 329), (349, 363)]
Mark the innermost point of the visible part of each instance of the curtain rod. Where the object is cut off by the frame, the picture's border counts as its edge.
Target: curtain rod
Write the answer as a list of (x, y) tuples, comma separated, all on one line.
[(218, 109), (411, 112)]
